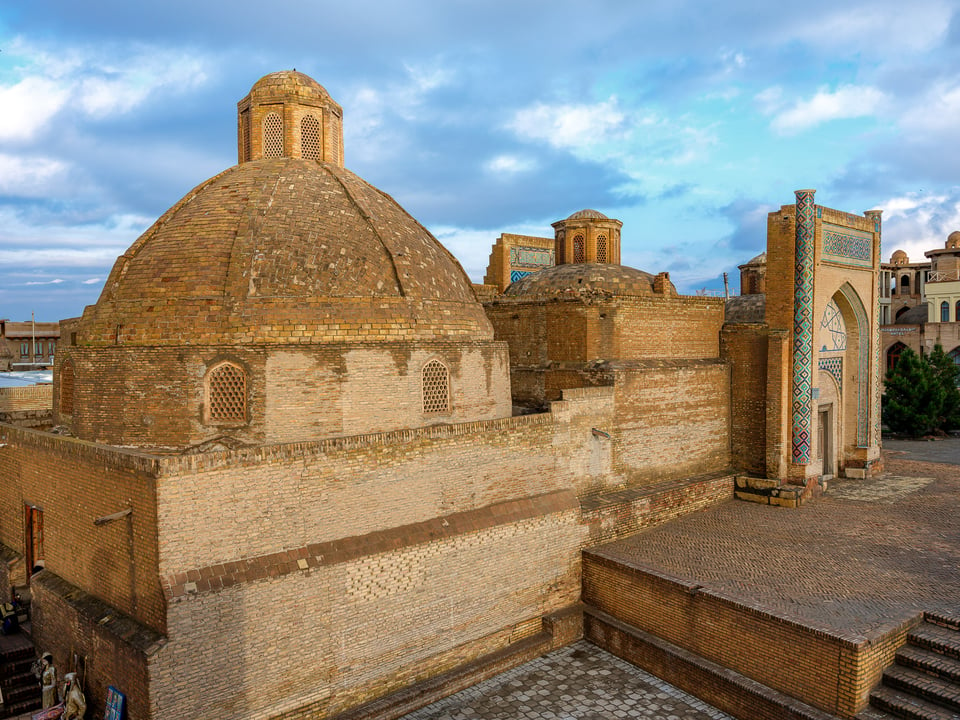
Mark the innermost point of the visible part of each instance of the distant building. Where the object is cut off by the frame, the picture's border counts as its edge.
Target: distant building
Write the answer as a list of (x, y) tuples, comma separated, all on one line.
[(920, 302), (28, 345)]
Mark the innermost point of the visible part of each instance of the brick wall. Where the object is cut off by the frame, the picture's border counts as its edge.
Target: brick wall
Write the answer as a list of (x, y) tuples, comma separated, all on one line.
[(73, 483), (344, 633), (34, 397), (673, 419), (292, 392), (745, 348)]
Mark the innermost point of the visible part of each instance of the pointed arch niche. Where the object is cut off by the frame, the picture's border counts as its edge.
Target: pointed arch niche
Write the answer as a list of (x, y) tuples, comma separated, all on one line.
[(844, 355)]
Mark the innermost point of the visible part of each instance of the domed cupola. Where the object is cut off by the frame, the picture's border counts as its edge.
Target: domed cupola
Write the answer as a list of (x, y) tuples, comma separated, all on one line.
[(289, 114)]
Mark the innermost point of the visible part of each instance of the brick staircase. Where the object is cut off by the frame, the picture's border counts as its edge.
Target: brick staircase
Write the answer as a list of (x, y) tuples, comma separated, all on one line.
[(21, 691), (924, 682)]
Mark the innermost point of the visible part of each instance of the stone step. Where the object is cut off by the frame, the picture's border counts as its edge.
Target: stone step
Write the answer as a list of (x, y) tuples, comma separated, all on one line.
[(16, 667), (908, 707), (872, 713), (22, 693), (937, 638), (944, 619), (20, 708), (916, 682), (18, 653), (932, 663)]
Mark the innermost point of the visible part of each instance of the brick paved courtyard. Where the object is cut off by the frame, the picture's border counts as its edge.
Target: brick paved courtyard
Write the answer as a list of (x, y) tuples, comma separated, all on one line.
[(868, 553)]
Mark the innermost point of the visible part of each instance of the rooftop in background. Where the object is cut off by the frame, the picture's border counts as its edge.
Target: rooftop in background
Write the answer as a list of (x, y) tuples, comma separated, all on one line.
[(25, 378)]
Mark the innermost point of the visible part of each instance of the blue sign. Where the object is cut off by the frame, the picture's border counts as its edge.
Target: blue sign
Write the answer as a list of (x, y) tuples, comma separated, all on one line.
[(116, 704)]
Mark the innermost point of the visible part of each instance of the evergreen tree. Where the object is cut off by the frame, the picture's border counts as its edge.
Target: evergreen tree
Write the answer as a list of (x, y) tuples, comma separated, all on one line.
[(946, 373), (915, 396)]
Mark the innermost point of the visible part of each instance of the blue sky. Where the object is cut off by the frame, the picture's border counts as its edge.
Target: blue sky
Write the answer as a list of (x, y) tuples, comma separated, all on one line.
[(689, 121)]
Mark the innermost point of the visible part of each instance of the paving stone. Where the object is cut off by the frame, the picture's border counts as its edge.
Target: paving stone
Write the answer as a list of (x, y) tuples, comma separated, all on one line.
[(583, 682)]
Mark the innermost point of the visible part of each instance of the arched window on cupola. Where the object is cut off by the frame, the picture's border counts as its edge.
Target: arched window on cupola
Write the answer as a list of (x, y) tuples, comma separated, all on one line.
[(601, 248), (310, 138), (578, 250), (272, 135)]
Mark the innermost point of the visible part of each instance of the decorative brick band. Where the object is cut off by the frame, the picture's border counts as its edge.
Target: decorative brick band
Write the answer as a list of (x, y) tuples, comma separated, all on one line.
[(803, 326), (223, 575)]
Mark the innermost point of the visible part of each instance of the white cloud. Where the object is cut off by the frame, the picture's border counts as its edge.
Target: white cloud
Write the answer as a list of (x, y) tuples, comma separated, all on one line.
[(847, 101), (569, 126), (935, 111), (56, 281), (917, 222), (24, 176), (510, 164), (91, 281), (875, 28), (95, 82), (28, 106)]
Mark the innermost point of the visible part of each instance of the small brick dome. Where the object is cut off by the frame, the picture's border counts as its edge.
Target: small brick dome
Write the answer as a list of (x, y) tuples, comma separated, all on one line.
[(285, 250), (586, 279), (953, 240), (288, 82), (588, 214), (899, 257)]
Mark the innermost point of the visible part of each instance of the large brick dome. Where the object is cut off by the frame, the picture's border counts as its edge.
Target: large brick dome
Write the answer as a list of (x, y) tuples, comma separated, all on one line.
[(587, 279), (279, 251), (281, 300)]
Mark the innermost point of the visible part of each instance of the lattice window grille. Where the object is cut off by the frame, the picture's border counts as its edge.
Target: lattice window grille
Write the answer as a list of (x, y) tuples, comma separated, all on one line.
[(272, 136), (578, 256), (227, 393), (310, 138), (245, 126), (601, 248), (334, 146), (66, 389), (436, 388)]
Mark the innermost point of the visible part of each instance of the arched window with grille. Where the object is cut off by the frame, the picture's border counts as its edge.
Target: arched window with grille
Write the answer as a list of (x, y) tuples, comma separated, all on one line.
[(904, 284), (66, 388), (578, 256), (435, 388), (272, 135), (944, 311), (601, 248), (310, 138), (226, 393)]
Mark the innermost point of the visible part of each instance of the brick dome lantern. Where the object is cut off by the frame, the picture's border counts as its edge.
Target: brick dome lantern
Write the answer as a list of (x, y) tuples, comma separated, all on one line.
[(282, 299)]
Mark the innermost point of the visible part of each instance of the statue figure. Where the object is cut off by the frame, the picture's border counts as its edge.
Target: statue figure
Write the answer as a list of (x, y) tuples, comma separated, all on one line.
[(48, 680), (76, 703)]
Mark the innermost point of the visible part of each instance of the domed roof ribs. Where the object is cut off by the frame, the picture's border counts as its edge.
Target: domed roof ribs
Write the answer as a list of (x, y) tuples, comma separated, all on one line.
[(368, 216)]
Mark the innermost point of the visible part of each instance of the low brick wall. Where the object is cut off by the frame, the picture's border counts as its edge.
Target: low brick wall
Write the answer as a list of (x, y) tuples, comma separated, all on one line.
[(68, 620), (33, 397), (828, 670), (614, 515)]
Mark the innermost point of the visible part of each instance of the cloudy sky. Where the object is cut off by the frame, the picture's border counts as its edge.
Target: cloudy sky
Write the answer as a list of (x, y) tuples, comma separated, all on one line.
[(689, 121)]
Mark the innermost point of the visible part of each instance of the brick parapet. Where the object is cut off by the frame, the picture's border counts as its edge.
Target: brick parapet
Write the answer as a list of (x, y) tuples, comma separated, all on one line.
[(830, 669)]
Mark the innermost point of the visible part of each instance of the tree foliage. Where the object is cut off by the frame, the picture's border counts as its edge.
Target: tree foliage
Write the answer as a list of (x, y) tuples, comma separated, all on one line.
[(922, 395)]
